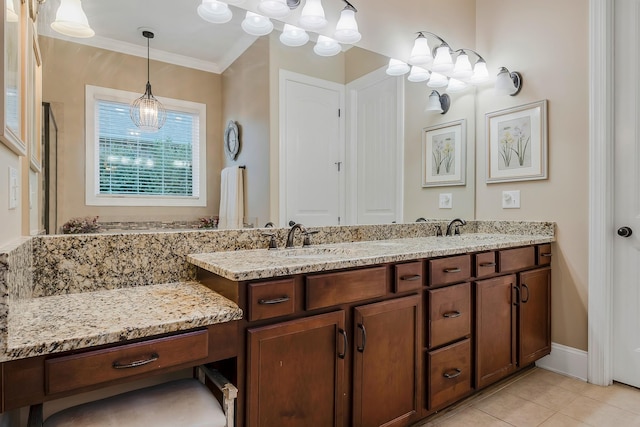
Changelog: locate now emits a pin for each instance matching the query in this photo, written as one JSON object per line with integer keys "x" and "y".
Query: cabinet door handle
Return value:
{"x": 411, "y": 278}
{"x": 452, "y": 314}
{"x": 452, "y": 374}
{"x": 453, "y": 270}
{"x": 364, "y": 337}
{"x": 487, "y": 264}
{"x": 517, "y": 299}
{"x": 346, "y": 343}
{"x": 525, "y": 287}
{"x": 547, "y": 255}
{"x": 135, "y": 364}
{"x": 274, "y": 300}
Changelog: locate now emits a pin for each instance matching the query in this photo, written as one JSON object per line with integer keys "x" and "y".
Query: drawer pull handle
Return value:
{"x": 153, "y": 358}
{"x": 547, "y": 255}
{"x": 453, "y": 270}
{"x": 364, "y": 338}
{"x": 274, "y": 300}
{"x": 452, "y": 314}
{"x": 346, "y": 343}
{"x": 451, "y": 375}
{"x": 487, "y": 264}
{"x": 411, "y": 278}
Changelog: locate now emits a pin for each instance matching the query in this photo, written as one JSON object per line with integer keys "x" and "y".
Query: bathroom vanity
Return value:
{"x": 382, "y": 332}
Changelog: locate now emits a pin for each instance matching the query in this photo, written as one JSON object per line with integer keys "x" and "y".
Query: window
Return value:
{"x": 129, "y": 167}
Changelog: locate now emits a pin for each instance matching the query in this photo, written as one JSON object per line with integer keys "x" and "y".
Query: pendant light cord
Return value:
{"x": 148, "y": 75}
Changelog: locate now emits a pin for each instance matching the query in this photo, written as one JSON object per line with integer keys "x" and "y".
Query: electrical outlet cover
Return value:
{"x": 511, "y": 199}
{"x": 446, "y": 201}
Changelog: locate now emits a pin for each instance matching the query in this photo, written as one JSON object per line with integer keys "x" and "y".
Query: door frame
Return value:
{"x": 284, "y": 76}
{"x": 601, "y": 190}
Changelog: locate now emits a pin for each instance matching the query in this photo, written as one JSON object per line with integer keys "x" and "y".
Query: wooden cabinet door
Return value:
{"x": 296, "y": 372}
{"x": 386, "y": 362}
{"x": 495, "y": 329}
{"x": 535, "y": 316}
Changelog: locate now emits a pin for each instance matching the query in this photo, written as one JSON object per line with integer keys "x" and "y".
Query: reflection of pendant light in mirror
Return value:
{"x": 326, "y": 46}
{"x": 11, "y": 15}
{"x": 256, "y": 25}
{"x": 437, "y": 80}
{"x": 480, "y": 73}
{"x": 397, "y": 67}
{"x": 147, "y": 112}
{"x": 438, "y": 103}
{"x": 508, "y": 83}
{"x": 347, "y": 27}
{"x": 312, "y": 16}
{"x": 456, "y": 85}
{"x": 71, "y": 20}
{"x": 214, "y": 11}
{"x": 443, "y": 63}
{"x": 293, "y": 36}
{"x": 418, "y": 74}
{"x": 277, "y": 9}
{"x": 462, "y": 69}
{"x": 421, "y": 52}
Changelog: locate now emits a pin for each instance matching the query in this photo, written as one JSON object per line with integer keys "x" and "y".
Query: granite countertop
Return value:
{"x": 262, "y": 263}
{"x": 53, "y": 324}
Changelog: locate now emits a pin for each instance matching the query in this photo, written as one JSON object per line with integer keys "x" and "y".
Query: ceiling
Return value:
{"x": 182, "y": 37}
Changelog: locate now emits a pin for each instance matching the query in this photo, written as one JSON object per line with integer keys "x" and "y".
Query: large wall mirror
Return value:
{"x": 247, "y": 81}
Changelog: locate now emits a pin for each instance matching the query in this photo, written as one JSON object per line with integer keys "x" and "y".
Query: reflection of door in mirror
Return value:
{"x": 312, "y": 149}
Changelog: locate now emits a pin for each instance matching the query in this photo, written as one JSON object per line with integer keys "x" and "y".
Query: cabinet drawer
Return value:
{"x": 443, "y": 271}
{"x": 485, "y": 264}
{"x": 544, "y": 254}
{"x": 449, "y": 374}
{"x": 516, "y": 259}
{"x": 408, "y": 277}
{"x": 449, "y": 314}
{"x": 94, "y": 367}
{"x": 325, "y": 290}
{"x": 271, "y": 299}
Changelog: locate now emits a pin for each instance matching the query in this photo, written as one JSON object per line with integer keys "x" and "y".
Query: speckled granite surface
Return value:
{"x": 259, "y": 264}
{"x": 65, "y": 322}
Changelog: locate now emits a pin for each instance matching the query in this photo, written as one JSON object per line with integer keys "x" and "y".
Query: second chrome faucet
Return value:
{"x": 455, "y": 223}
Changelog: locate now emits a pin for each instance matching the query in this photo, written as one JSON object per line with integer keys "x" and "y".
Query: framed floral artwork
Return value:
{"x": 443, "y": 154}
{"x": 517, "y": 143}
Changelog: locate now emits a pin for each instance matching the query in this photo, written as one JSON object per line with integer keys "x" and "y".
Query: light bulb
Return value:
{"x": 71, "y": 20}
{"x": 256, "y": 25}
{"x": 326, "y": 46}
{"x": 214, "y": 11}
{"x": 347, "y": 27}
{"x": 293, "y": 36}
{"x": 312, "y": 16}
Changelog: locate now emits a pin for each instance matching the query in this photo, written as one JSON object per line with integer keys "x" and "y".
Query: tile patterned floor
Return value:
{"x": 542, "y": 398}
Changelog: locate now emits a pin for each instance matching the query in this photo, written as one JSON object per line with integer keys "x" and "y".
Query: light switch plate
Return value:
{"x": 446, "y": 201}
{"x": 511, "y": 199}
{"x": 13, "y": 188}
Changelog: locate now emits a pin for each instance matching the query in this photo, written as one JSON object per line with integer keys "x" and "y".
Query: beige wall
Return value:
{"x": 245, "y": 99}
{"x": 68, "y": 67}
{"x": 550, "y": 48}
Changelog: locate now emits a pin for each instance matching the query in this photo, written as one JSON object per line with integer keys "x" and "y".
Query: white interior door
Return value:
{"x": 375, "y": 153}
{"x": 626, "y": 288}
{"x": 312, "y": 151}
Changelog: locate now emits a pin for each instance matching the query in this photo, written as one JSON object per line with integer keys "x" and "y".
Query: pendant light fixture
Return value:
{"x": 71, "y": 20}
{"x": 312, "y": 16}
{"x": 293, "y": 36}
{"x": 276, "y": 9}
{"x": 256, "y": 25}
{"x": 326, "y": 46}
{"x": 215, "y": 11}
{"x": 147, "y": 112}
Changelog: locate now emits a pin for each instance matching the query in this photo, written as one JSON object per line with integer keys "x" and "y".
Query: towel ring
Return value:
{"x": 232, "y": 140}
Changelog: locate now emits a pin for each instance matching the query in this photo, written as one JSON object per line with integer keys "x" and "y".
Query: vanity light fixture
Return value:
{"x": 71, "y": 20}
{"x": 256, "y": 25}
{"x": 439, "y": 103}
{"x": 442, "y": 63}
{"x": 456, "y": 85}
{"x": 147, "y": 112}
{"x": 347, "y": 27}
{"x": 326, "y": 46}
{"x": 508, "y": 82}
{"x": 397, "y": 67}
{"x": 293, "y": 36}
{"x": 214, "y": 11}
{"x": 421, "y": 53}
{"x": 418, "y": 74}
{"x": 312, "y": 16}
{"x": 11, "y": 15}
{"x": 276, "y": 9}
{"x": 437, "y": 80}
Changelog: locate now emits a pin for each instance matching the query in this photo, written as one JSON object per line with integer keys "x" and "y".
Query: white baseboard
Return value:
{"x": 566, "y": 361}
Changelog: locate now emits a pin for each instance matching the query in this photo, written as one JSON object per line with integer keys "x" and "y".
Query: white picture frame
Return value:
{"x": 443, "y": 154}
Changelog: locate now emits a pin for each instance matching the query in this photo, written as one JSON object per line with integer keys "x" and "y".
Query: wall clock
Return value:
{"x": 232, "y": 140}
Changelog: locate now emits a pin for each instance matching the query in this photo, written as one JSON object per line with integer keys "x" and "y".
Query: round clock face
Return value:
{"x": 232, "y": 140}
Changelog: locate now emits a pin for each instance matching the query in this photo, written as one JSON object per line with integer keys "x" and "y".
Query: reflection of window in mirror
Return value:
{"x": 130, "y": 167}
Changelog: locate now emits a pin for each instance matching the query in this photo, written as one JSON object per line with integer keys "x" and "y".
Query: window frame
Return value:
{"x": 92, "y": 172}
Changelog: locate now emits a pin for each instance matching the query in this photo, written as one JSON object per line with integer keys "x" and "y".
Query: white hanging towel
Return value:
{"x": 231, "y": 198}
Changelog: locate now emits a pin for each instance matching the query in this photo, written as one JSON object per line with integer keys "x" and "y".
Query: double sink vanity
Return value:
{"x": 384, "y": 329}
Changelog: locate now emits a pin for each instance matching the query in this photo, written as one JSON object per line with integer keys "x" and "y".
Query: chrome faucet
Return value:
{"x": 452, "y": 223}
{"x": 292, "y": 233}
{"x": 421, "y": 219}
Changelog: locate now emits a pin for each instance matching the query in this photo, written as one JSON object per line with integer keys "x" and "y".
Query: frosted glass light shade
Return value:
{"x": 433, "y": 104}
{"x": 293, "y": 36}
{"x": 277, "y": 9}
{"x": 312, "y": 16}
{"x": 326, "y": 46}
{"x": 71, "y": 20}
{"x": 397, "y": 67}
{"x": 235, "y": 2}
{"x": 418, "y": 74}
{"x": 421, "y": 52}
{"x": 504, "y": 83}
{"x": 456, "y": 85}
{"x": 256, "y": 25}
{"x": 347, "y": 27}
{"x": 442, "y": 63}
{"x": 11, "y": 15}
{"x": 462, "y": 69}
{"x": 214, "y": 11}
{"x": 480, "y": 73}
{"x": 437, "y": 80}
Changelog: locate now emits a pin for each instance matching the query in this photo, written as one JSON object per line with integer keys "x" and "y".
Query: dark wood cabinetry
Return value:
{"x": 534, "y": 321}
